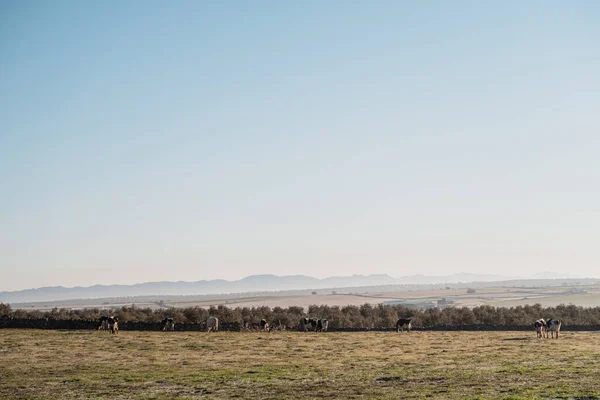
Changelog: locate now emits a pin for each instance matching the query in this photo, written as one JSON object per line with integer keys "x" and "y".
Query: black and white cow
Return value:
{"x": 168, "y": 324}
{"x": 322, "y": 325}
{"x": 553, "y": 326}
{"x": 540, "y": 327}
{"x": 113, "y": 324}
{"x": 308, "y": 323}
{"x": 403, "y": 323}
{"x": 264, "y": 325}
{"x": 103, "y": 323}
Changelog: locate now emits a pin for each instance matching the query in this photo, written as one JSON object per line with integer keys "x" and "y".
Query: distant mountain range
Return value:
{"x": 253, "y": 283}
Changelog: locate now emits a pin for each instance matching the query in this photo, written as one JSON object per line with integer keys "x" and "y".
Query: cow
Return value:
{"x": 212, "y": 324}
{"x": 540, "y": 327}
{"x": 113, "y": 324}
{"x": 322, "y": 325}
{"x": 264, "y": 325}
{"x": 552, "y": 326}
{"x": 103, "y": 323}
{"x": 168, "y": 324}
{"x": 403, "y": 323}
{"x": 306, "y": 322}
{"x": 303, "y": 326}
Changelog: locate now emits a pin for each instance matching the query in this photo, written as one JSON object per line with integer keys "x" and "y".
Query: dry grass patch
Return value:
{"x": 89, "y": 364}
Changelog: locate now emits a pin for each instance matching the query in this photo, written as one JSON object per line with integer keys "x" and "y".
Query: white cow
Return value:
{"x": 212, "y": 324}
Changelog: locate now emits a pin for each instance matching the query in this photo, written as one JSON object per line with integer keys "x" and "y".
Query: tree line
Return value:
{"x": 366, "y": 316}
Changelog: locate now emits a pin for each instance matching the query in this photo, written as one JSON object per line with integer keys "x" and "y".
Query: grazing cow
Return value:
{"x": 322, "y": 325}
{"x": 553, "y": 325}
{"x": 303, "y": 326}
{"x": 168, "y": 324}
{"x": 212, "y": 324}
{"x": 103, "y": 323}
{"x": 306, "y": 323}
{"x": 540, "y": 327}
{"x": 403, "y": 323}
{"x": 264, "y": 325}
{"x": 113, "y": 324}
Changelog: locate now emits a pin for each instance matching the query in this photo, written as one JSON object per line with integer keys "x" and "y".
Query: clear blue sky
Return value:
{"x": 145, "y": 141}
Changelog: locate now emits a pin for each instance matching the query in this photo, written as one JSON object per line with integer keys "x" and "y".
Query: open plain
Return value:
{"x": 497, "y": 296}
{"x": 37, "y": 364}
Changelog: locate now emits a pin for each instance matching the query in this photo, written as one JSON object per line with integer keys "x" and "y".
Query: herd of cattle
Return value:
{"x": 542, "y": 327}
{"x": 111, "y": 324}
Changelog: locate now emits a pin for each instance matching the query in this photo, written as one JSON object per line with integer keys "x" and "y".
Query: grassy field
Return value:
{"x": 279, "y": 365}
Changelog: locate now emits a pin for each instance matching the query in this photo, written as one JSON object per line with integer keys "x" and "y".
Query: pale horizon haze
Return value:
{"x": 146, "y": 141}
